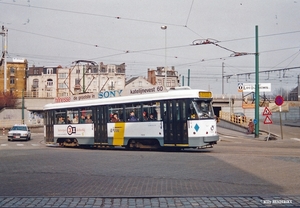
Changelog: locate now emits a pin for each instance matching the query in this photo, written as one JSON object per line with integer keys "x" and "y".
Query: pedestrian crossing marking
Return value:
{"x": 19, "y": 145}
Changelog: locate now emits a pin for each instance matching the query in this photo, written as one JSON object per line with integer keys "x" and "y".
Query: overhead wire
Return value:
{"x": 146, "y": 21}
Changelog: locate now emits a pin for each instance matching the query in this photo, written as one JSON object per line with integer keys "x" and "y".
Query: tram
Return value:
{"x": 174, "y": 119}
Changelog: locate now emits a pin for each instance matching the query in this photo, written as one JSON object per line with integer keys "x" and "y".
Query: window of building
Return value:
{"x": 168, "y": 83}
{"x": 49, "y": 94}
{"x": 62, "y": 75}
{"x": 12, "y": 80}
{"x": 95, "y": 70}
{"x": 88, "y": 71}
{"x": 77, "y": 81}
{"x": 49, "y": 70}
{"x": 35, "y": 83}
{"x": 173, "y": 83}
{"x": 62, "y": 86}
{"x": 119, "y": 81}
{"x": 49, "y": 82}
{"x": 12, "y": 70}
{"x": 35, "y": 71}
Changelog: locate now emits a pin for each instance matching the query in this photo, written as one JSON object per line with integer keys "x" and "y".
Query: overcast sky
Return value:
{"x": 58, "y": 32}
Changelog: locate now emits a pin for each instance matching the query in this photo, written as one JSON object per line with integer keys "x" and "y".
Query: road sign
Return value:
{"x": 267, "y": 112}
{"x": 254, "y": 121}
{"x": 250, "y": 87}
{"x": 268, "y": 120}
{"x": 279, "y": 100}
{"x": 240, "y": 87}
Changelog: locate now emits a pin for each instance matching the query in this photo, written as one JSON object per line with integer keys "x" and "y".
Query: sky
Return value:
{"x": 51, "y": 33}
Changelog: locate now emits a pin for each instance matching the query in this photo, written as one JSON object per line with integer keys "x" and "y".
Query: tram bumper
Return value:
{"x": 203, "y": 142}
{"x": 211, "y": 139}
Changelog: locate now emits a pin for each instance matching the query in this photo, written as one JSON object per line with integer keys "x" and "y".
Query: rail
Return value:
{"x": 240, "y": 120}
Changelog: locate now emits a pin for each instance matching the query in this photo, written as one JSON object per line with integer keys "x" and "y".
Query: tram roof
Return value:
{"x": 171, "y": 94}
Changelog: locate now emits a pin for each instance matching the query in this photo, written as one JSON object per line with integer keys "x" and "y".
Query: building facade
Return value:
{"x": 77, "y": 79}
{"x": 158, "y": 77}
{"x": 41, "y": 81}
{"x": 15, "y": 77}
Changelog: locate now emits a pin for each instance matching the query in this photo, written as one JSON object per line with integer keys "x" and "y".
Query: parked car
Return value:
{"x": 238, "y": 118}
{"x": 18, "y": 132}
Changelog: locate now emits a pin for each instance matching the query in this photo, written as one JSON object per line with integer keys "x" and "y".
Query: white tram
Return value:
{"x": 174, "y": 119}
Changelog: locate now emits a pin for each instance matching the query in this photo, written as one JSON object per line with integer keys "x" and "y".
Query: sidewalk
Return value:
{"x": 289, "y": 130}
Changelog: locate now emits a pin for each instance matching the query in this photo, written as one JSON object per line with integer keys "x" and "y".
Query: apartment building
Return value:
{"x": 160, "y": 74}
{"x": 15, "y": 77}
{"x": 83, "y": 77}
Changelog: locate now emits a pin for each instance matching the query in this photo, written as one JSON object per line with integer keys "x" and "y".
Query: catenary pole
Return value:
{"x": 256, "y": 84}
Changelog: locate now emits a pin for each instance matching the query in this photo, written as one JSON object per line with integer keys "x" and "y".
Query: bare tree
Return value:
{"x": 7, "y": 99}
{"x": 282, "y": 92}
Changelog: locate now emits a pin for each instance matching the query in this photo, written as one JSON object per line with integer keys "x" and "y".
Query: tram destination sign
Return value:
{"x": 250, "y": 87}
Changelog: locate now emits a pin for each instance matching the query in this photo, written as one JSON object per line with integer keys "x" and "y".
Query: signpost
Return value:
{"x": 279, "y": 101}
{"x": 267, "y": 120}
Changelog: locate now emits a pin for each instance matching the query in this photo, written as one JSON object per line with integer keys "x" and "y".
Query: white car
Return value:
{"x": 18, "y": 132}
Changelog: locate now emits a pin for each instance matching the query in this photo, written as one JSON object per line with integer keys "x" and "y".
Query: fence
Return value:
{"x": 241, "y": 120}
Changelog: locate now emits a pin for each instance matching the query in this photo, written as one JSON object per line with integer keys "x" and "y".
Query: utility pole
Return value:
{"x": 188, "y": 77}
{"x": 165, "y": 29}
{"x": 222, "y": 78}
{"x": 4, "y": 43}
{"x": 298, "y": 87}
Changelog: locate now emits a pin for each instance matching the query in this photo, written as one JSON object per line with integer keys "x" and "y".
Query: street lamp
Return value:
{"x": 165, "y": 29}
{"x": 4, "y": 40}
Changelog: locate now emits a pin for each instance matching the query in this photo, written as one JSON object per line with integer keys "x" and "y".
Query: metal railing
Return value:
{"x": 240, "y": 120}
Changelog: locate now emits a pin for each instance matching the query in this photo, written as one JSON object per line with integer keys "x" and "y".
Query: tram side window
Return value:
{"x": 60, "y": 117}
{"x": 133, "y": 112}
{"x": 116, "y": 113}
{"x": 85, "y": 116}
{"x": 192, "y": 112}
{"x": 72, "y": 116}
{"x": 150, "y": 111}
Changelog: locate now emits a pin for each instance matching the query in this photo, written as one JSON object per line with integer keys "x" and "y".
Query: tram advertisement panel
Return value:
{"x": 72, "y": 130}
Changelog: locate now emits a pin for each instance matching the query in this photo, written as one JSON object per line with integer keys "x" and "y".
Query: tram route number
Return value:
{"x": 115, "y": 129}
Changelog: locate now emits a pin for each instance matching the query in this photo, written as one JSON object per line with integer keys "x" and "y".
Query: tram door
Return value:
{"x": 49, "y": 115}
{"x": 174, "y": 122}
{"x": 102, "y": 118}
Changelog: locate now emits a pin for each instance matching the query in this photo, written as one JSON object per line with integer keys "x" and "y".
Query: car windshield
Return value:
{"x": 203, "y": 109}
{"x": 239, "y": 114}
{"x": 19, "y": 128}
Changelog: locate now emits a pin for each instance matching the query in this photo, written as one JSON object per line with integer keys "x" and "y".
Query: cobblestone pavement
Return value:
{"x": 254, "y": 201}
